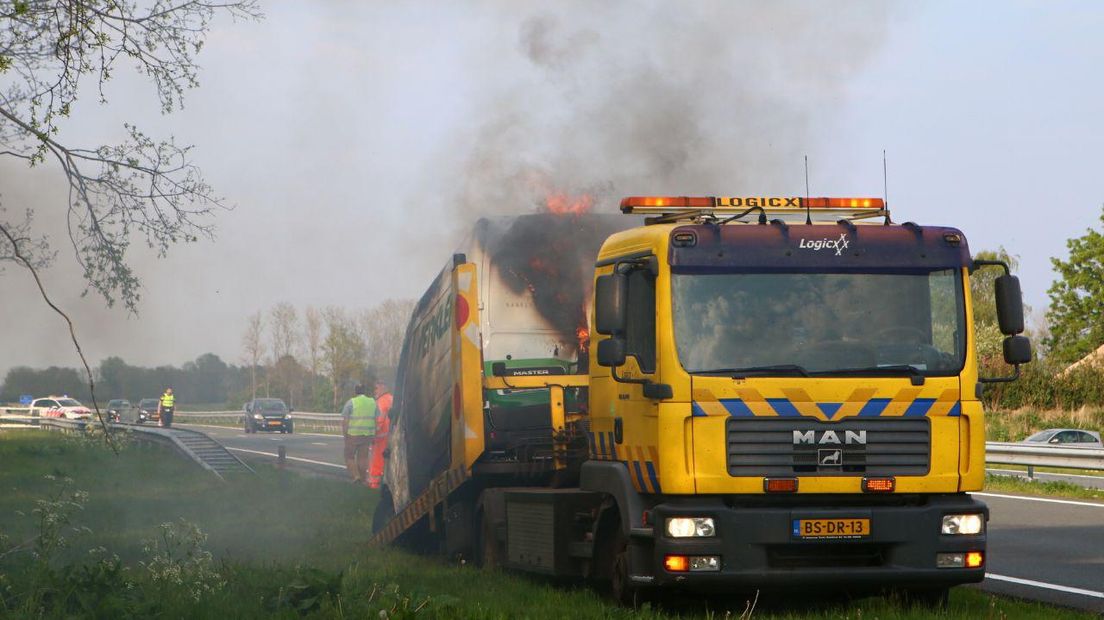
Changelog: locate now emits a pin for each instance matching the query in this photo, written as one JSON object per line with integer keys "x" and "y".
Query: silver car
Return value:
{"x": 1067, "y": 438}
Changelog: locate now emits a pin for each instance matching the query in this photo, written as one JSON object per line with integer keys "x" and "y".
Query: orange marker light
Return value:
{"x": 843, "y": 203}
{"x": 666, "y": 201}
{"x": 974, "y": 559}
{"x": 780, "y": 485}
{"x": 879, "y": 485}
{"x": 676, "y": 563}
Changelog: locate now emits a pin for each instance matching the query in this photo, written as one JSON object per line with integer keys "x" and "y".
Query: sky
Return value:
{"x": 357, "y": 142}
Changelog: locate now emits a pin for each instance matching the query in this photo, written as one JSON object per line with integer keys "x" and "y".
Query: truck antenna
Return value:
{"x": 808, "y": 216}
{"x": 885, "y": 187}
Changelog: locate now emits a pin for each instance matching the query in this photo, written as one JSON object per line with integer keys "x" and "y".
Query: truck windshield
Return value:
{"x": 798, "y": 324}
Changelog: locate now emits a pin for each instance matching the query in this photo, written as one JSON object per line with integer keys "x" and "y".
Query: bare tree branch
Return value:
{"x": 17, "y": 252}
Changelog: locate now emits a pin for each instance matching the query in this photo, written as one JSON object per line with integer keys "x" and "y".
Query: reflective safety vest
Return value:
{"x": 362, "y": 422}
{"x": 167, "y": 400}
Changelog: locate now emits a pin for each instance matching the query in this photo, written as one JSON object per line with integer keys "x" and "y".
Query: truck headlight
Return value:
{"x": 690, "y": 527}
{"x": 257, "y": 416}
{"x": 963, "y": 524}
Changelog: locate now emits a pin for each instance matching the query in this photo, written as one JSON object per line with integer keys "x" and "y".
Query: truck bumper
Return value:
{"x": 758, "y": 547}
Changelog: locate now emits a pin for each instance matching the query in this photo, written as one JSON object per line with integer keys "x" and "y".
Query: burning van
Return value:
{"x": 533, "y": 284}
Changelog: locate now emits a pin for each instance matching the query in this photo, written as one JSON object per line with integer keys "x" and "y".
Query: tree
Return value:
{"x": 982, "y": 292}
{"x": 343, "y": 352}
{"x": 1076, "y": 316}
{"x": 285, "y": 343}
{"x": 49, "y": 50}
{"x": 313, "y": 332}
{"x": 384, "y": 327}
{"x": 253, "y": 346}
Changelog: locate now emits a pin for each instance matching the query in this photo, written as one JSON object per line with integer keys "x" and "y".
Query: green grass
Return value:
{"x": 1010, "y": 484}
{"x": 284, "y": 546}
{"x": 1018, "y": 424}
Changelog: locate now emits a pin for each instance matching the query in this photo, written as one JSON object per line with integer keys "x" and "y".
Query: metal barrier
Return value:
{"x": 1005, "y": 453}
{"x": 295, "y": 415}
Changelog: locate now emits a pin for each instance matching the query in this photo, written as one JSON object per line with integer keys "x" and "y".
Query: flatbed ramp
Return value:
{"x": 435, "y": 494}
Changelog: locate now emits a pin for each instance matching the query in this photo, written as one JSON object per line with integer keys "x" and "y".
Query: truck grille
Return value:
{"x": 800, "y": 446}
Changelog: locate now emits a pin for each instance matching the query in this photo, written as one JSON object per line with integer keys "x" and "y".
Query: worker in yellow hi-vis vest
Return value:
{"x": 358, "y": 424}
{"x": 165, "y": 406}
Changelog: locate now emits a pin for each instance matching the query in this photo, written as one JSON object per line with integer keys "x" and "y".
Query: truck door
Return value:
{"x": 633, "y": 416}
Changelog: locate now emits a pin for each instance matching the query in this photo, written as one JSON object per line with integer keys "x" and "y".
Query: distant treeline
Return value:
{"x": 206, "y": 380}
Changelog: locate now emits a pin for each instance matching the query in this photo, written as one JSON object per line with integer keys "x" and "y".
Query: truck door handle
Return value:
{"x": 618, "y": 431}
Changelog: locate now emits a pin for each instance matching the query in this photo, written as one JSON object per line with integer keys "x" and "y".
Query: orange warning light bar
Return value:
{"x": 704, "y": 202}
{"x": 656, "y": 203}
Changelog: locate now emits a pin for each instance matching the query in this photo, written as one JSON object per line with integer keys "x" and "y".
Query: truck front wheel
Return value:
{"x": 621, "y": 588}
{"x": 489, "y": 557}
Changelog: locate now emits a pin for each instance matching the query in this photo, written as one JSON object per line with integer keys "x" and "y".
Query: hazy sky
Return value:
{"x": 357, "y": 140}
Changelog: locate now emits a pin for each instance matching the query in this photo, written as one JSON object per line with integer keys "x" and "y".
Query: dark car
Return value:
{"x": 267, "y": 414}
{"x": 147, "y": 411}
{"x": 117, "y": 408}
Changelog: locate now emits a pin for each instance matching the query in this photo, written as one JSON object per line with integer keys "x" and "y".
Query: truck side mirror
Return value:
{"x": 1017, "y": 350}
{"x": 1010, "y": 314}
{"x": 611, "y": 352}
{"x": 611, "y": 294}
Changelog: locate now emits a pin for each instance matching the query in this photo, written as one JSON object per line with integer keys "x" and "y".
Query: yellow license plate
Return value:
{"x": 274, "y": 423}
{"x": 831, "y": 528}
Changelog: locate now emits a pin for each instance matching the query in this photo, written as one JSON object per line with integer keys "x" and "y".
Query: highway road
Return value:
{"x": 314, "y": 451}
{"x": 1043, "y": 549}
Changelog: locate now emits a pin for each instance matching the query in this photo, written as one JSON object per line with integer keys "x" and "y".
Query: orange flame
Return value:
{"x": 583, "y": 334}
{"x": 561, "y": 203}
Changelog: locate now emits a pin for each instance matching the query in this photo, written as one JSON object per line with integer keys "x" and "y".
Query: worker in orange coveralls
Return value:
{"x": 383, "y": 428}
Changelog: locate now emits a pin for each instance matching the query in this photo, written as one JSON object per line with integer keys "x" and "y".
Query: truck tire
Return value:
{"x": 490, "y": 557}
{"x": 621, "y": 588}
{"x": 385, "y": 511}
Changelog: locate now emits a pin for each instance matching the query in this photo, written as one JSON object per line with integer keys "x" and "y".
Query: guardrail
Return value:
{"x": 304, "y": 420}
{"x": 295, "y": 415}
{"x": 1005, "y": 453}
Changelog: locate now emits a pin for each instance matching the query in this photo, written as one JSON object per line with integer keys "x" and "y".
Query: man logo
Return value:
{"x": 829, "y": 437}
{"x": 831, "y": 457}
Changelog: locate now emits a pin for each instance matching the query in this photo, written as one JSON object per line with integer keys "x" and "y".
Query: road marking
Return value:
{"x": 319, "y": 443}
{"x": 1048, "y": 586}
{"x": 1041, "y": 499}
{"x": 290, "y": 458}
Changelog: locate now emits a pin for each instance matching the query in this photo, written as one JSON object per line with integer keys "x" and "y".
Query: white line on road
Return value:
{"x": 319, "y": 443}
{"x": 1048, "y": 586}
{"x": 1041, "y": 499}
{"x": 290, "y": 458}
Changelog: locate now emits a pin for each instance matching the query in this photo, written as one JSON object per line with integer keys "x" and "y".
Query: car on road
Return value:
{"x": 147, "y": 411}
{"x": 267, "y": 414}
{"x": 60, "y": 407}
{"x": 1067, "y": 438}
{"x": 117, "y": 408}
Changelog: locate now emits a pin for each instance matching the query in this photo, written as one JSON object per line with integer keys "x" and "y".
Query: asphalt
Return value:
{"x": 314, "y": 451}
{"x": 1055, "y": 542}
{"x": 1040, "y": 549}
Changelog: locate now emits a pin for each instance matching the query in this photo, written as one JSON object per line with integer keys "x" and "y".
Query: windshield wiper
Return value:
{"x": 914, "y": 373}
{"x": 740, "y": 373}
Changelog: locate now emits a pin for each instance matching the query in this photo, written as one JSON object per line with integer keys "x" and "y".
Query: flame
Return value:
{"x": 562, "y": 203}
{"x": 583, "y": 334}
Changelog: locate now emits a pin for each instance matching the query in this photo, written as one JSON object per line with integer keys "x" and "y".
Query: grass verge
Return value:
{"x": 1011, "y": 484}
{"x": 144, "y": 534}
